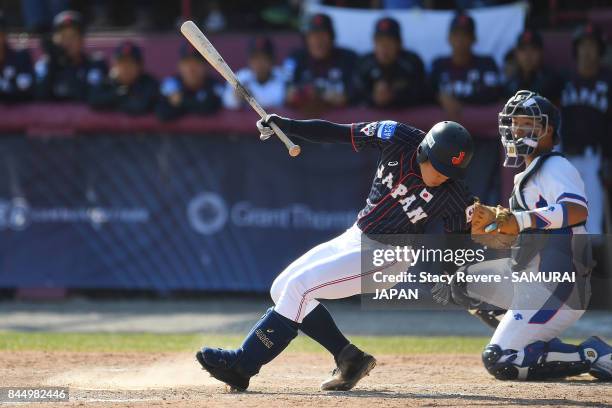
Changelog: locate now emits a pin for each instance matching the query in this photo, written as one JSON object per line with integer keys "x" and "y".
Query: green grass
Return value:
{"x": 147, "y": 342}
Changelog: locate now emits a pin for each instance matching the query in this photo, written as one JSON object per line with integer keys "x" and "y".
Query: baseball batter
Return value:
{"x": 416, "y": 183}
{"x": 548, "y": 212}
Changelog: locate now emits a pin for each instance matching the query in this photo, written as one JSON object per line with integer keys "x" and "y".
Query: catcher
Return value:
{"x": 545, "y": 227}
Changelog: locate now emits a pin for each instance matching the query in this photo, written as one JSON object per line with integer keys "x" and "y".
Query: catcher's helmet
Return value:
{"x": 521, "y": 141}
{"x": 449, "y": 148}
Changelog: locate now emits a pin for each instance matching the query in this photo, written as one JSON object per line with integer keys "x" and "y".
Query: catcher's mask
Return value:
{"x": 521, "y": 140}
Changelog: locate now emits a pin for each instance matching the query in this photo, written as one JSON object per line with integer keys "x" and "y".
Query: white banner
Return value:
{"x": 426, "y": 31}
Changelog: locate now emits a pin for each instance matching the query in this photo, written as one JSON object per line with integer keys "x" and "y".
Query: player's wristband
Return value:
{"x": 551, "y": 217}
{"x": 523, "y": 219}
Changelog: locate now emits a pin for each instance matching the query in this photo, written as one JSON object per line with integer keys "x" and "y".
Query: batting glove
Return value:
{"x": 263, "y": 125}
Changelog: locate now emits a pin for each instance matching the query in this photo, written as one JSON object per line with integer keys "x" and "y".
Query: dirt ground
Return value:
{"x": 175, "y": 380}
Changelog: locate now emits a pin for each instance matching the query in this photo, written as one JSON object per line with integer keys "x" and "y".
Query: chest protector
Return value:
{"x": 515, "y": 205}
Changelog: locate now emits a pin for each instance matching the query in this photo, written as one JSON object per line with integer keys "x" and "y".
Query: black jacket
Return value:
{"x": 476, "y": 83}
{"x": 205, "y": 100}
{"x": 406, "y": 77}
{"x": 337, "y": 73}
{"x": 59, "y": 79}
{"x": 137, "y": 99}
{"x": 16, "y": 75}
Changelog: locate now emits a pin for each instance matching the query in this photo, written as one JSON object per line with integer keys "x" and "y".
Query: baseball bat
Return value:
{"x": 199, "y": 41}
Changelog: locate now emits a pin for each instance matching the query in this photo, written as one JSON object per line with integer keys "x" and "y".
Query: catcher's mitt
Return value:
{"x": 485, "y": 215}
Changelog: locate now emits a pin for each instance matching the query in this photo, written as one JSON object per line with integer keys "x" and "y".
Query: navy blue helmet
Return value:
{"x": 449, "y": 148}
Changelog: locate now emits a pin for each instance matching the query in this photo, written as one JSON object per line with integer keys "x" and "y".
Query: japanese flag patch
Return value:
{"x": 426, "y": 195}
{"x": 369, "y": 129}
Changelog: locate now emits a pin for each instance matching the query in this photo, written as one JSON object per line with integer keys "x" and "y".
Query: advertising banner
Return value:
{"x": 168, "y": 213}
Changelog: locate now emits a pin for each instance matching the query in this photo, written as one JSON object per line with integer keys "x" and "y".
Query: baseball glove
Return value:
{"x": 483, "y": 217}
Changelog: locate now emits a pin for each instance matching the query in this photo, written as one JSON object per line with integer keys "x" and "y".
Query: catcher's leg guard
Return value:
{"x": 537, "y": 361}
{"x": 268, "y": 338}
{"x": 352, "y": 365}
{"x": 600, "y": 354}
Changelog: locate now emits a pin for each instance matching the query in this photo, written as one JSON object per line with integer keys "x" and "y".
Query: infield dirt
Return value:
{"x": 175, "y": 380}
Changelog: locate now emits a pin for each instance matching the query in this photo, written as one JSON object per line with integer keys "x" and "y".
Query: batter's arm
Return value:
{"x": 313, "y": 130}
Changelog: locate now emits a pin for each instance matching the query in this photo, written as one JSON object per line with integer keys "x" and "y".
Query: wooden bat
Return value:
{"x": 199, "y": 41}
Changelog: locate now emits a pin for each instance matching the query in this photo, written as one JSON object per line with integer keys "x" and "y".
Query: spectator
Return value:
{"x": 16, "y": 75}
{"x": 321, "y": 75}
{"x": 128, "y": 88}
{"x": 531, "y": 73}
{"x": 261, "y": 78}
{"x": 65, "y": 72}
{"x": 587, "y": 119}
{"x": 510, "y": 66}
{"x": 191, "y": 91}
{"x": 391, "y": 77}
{"x": 464, "y": 78}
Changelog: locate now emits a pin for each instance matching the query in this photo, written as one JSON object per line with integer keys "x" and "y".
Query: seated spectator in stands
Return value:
{"x": 391, "y": 77}
{"x": 65, "y": 72}
{"x": 127, "y": 88}
{"x": 531, "y": 72}
{"x": 587, "y": 118}
{"x": 16, "y": 75}
{"x": 261, "y": 78}
{"x": 191, "y": 91}
{"x": 509, "y": 67}
{"x": 320, "y": 76}
{"x": 464, "y": 78}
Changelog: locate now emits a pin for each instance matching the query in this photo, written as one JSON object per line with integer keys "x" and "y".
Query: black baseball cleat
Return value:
{"x": 352, "y": 365}
{"x": 223, "y": 365}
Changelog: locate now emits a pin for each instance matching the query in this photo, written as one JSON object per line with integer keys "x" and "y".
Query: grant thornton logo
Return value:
{"x": 17, "y": 214}
{"x": 207, "y": 213}
{"x": 14, "y": 214}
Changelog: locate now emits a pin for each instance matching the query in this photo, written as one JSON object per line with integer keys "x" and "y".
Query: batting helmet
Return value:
{"x": 449, "y": 148}
{"x": 520, "y": 141}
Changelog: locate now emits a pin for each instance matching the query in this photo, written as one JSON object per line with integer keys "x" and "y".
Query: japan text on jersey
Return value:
{"x": 399, "y": 202}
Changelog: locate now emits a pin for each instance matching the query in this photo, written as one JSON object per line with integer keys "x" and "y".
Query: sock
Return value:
{"x": 266, "y": 340}
{"x": 320, "y": 326}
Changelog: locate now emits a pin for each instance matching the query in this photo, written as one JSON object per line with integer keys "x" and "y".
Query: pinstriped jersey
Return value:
{"x": 399, "y": 202}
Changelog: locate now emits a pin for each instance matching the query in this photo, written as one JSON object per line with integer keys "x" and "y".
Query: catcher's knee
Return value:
{"x": 495, "y": 363}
